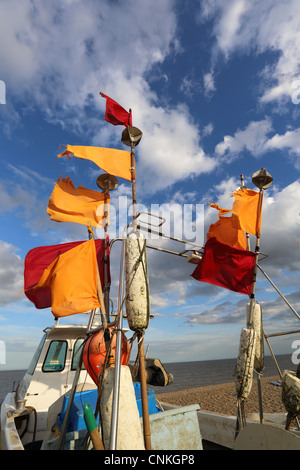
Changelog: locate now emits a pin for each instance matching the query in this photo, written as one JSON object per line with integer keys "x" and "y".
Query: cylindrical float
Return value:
{"x": 259, "y": 359}
{"x": 94, "y": 352}
{"x": 245, "y": 363}
{"x": 129, "y": 430}
{"x": 137, "y": 283}
{"x": 290, "y": 384}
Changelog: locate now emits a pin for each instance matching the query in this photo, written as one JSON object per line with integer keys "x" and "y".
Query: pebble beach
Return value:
{"x": 221, "y": 398}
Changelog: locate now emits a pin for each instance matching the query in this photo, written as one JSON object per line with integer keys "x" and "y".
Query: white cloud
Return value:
{"x": 230, "y": 24}
{"x": 256, "y": 139}
{"x": 208, "y": 129}
{"x": 256, "y": 26}
{"x": 171, "y": 150}
{"x": 209, "y": 83}
{"x": 11, "y": 274}
{"x": 189, "y": 86}
{"x": 58, "y": 57}
{"x": 290, "y": 140}
{"x": 253, "y": 138}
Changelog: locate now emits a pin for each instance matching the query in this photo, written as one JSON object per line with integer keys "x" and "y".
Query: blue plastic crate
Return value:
{"x": 151, "y": 399}
{"x": 76, "y": 420}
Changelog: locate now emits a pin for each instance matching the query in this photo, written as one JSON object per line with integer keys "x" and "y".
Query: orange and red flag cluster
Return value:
{"x": 226, "y": 262}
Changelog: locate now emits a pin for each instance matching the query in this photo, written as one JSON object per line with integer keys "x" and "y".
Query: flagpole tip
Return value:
{"x": 131, "y": 136}
{"x": 262, "y": 179}
{"x": 107, "y": 182}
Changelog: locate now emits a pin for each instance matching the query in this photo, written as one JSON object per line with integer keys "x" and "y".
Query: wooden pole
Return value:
{"x": 142, "y": 368}
{"x": 133, "y": 185}
{"x": 246, "y": 234}
{"x": 106, "y": 286}
{"x": 99, "y": 289}
{"x": 144, "y": 396}
{"x": 257, "y": 246}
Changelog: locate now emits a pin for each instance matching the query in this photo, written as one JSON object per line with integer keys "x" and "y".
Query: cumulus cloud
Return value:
{"x": 258, "y": 138}
{"x": 58, "y": 57}
{"x": 209, "y": 84}
{"x": 11, "y": 274}
{"x": 253, "y": 139}
{"x": 258, "y": 27}
{"x": 289, "y": 141}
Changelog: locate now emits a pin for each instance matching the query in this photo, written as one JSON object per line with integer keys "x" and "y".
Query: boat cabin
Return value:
{"x": 48, "y": 378}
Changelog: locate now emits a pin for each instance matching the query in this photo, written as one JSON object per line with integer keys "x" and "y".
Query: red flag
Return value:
{"x": 38, "y": 259}
{"x": 227, "y": 267}
{"x": 115, "y": 114}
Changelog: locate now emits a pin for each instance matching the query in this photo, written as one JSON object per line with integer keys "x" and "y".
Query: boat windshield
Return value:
{"x": 36, "y": 356}
{"x": 56, "y": 355}
{"x": 77, "y": 354}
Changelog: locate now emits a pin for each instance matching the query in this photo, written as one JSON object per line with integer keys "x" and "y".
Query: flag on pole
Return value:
{"x": 246, "y": 211}
{"x": 39, "y": 258}
{"x": 114, "y": 162}
{"x": 225, "y": 233}
{"x": 81, "y": 205}
{"x": 221, "y": 210}
{"x": 224, "y": 230}
{"x": 115, "y": 114}
{"x": 72, "y": 279}
{"x": 227, "y": 267}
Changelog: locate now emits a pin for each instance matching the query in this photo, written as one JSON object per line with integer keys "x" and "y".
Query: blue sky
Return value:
{"x": 214, "y": 86}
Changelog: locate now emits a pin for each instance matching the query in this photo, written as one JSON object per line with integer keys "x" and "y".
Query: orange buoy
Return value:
{"x": 94, "y": 353}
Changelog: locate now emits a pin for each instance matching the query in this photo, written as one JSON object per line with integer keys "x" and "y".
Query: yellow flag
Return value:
{"x": 72, "y": 277}
{"x": 115, "y": 162}
{"x": 81, "y": 205}
{"x": 246, "y": 211}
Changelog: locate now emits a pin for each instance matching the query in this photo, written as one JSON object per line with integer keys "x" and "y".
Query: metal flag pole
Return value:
{"x": 246, "y": 234}
{"x": 107, "y": 183}
{"x": 262, "y": 180}
{"x": 116, "y": 391}
{"x": 131, "y": 136}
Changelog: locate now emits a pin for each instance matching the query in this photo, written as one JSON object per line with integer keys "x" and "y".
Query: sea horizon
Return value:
{"x": 187, "y": 374}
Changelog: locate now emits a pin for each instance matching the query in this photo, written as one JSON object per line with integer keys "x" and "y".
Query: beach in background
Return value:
{"x": 209, "y": 383}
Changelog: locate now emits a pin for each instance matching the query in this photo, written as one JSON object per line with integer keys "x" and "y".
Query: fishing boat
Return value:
{"x": 56, "y": 402}
{"x": 81, "y": 390}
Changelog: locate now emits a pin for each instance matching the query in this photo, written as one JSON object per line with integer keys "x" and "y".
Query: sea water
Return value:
{"x": 186, "y": 374}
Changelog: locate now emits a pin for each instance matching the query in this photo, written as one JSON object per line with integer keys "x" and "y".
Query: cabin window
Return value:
{"x": 56, "y": 356}
{"x": 36, "y": 356}
{"x": 77, "y": 353}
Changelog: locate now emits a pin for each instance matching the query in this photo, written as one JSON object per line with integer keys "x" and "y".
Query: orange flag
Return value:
{"x": 81, "y": 205}
{"x": 115, "y": 162}
{"x": 72, "y": 278}
{"x": 225, "y": 233}
{"x": 246, "y": 211}
{"x": 220, "y": 209}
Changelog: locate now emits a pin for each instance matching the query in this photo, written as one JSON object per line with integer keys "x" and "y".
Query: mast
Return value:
{"x": 131, "y": 137}
{"x": 107, "y": 183}
{"x": 262, "y": 180}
